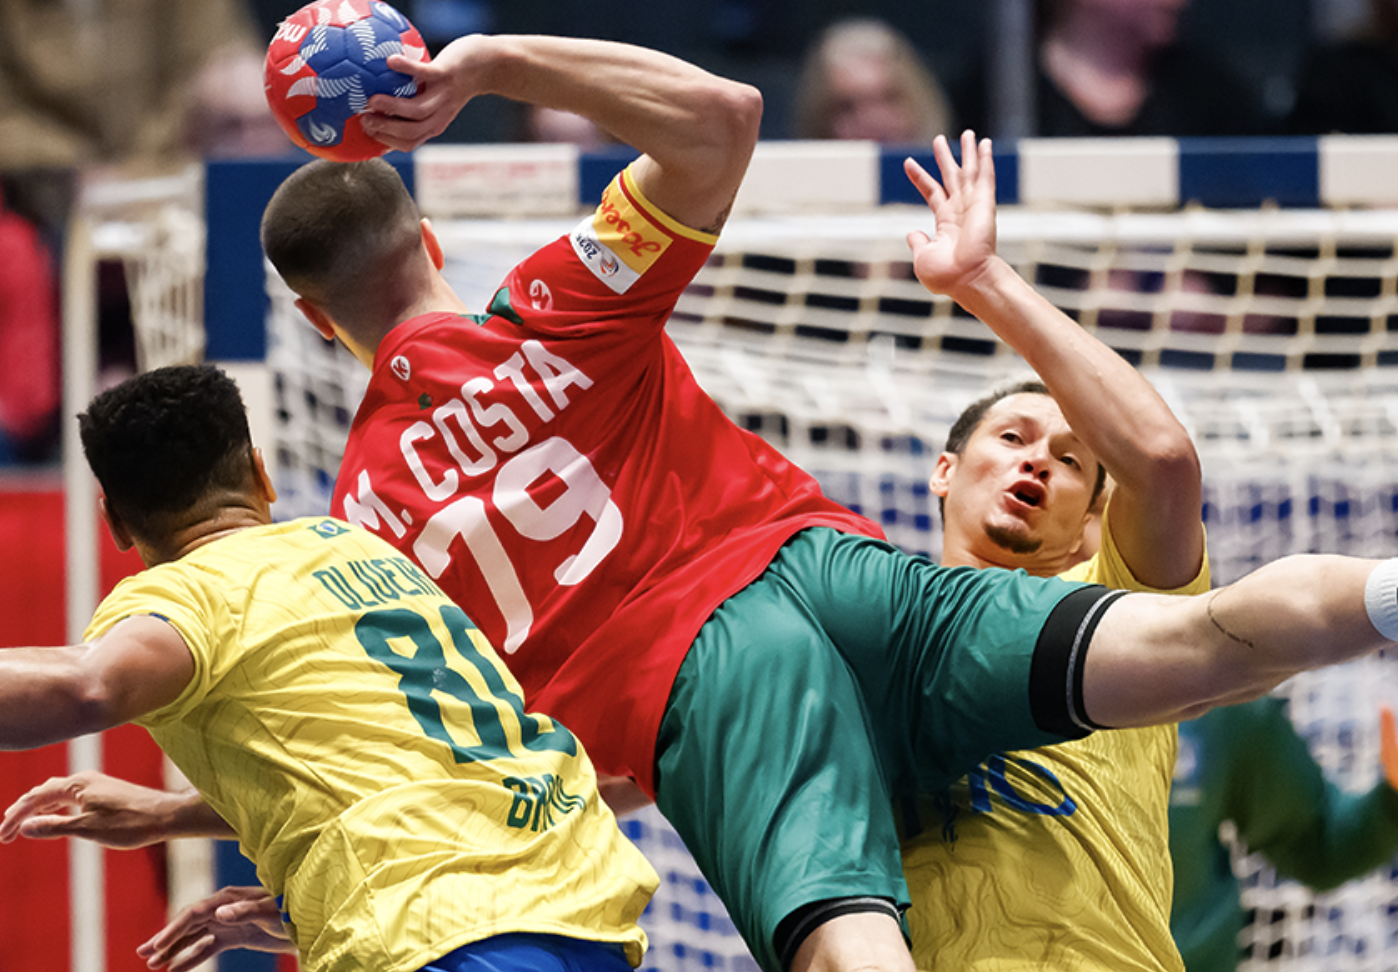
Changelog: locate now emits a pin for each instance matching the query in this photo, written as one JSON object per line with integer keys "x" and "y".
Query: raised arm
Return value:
{"x": 1156, "y": 504}
{"x": 696, "y": 131}
{"x": 49, "y": 695}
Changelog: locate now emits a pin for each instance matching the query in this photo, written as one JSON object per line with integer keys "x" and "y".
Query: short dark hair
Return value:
{"x": 333, "y": 228}
{"x": 973, "y": 415}
{"x": 166, "y": 442}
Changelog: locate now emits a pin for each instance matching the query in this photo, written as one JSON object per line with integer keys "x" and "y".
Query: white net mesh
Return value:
{"x": 155, "y": 227}
{"x": 1273, "y": 334}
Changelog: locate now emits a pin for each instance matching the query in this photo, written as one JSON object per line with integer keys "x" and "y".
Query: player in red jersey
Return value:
{"x": 755, "y": 657}
{"x": 750, "y": 653}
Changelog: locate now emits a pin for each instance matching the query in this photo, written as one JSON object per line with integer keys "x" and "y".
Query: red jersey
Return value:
{"x": 555, "y": 467}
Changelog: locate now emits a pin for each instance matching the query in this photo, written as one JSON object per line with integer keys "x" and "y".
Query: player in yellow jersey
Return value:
{"x": 343, "y": 717}
{"x": 1055, "y": 858}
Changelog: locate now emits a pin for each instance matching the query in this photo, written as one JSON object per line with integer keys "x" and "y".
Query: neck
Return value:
{"x": 438, "y": 299}
{"x": 956, "y": 552}
{"x": 186, "y": 539}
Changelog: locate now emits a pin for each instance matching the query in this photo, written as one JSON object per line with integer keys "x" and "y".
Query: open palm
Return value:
{"x": 963, "y": 205}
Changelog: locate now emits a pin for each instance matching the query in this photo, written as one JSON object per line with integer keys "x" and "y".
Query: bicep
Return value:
{"x": 140, "y": 664}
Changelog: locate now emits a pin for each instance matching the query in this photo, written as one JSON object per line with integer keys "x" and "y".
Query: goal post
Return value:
{"x": 1254, "y": 282}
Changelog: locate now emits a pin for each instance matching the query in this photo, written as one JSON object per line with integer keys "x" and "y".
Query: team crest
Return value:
{"x": 540, "y": 297}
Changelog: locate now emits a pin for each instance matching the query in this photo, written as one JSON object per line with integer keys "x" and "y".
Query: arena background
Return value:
{"x": 1255, "y": 282}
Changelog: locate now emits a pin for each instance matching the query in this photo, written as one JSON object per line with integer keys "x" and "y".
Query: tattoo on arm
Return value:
{"x": 1213, "y": 619}
{"x": 720, "y": 221}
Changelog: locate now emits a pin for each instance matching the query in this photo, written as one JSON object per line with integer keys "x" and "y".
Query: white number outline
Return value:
{"x": 585, "y": 495}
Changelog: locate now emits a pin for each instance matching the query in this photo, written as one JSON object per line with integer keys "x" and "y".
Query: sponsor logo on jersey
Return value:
{"x": 618, "y": 242}
{"x": 600, "y": 259}
{"x": 401, "y": 368}
{"x": 540, "y": 297}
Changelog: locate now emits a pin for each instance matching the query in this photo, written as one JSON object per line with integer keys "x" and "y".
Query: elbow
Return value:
{"x": 746, "y": 113}
{"x": 1169, "y": 466}
{"x": 732, "y": 118}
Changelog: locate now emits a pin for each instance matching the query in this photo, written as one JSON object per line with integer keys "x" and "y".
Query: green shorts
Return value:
{"x": 847, "y": 675}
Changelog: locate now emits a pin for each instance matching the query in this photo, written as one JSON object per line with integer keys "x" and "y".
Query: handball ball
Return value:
{"x": 324, "y": 63}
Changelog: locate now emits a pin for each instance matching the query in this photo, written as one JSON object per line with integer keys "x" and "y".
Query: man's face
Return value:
{"x": 1019, "y": 493}
{"x": 867, "y": 100}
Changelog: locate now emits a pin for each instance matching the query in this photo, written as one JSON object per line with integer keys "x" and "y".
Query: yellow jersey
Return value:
{"x": 1056, "y": 858}
{"x": 373, "y": 755}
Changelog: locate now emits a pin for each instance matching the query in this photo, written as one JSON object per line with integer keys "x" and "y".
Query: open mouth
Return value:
{"x": 1030, "y": 494}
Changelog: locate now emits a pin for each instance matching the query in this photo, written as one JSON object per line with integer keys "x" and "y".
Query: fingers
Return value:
{"x": 55, "y": 794}
{"x": 922, "y": 180}
{"x": 985, "y": 156}
{"x": 260, "y": 910}
{"x": 411, "y": 66}
{"x": 951, "y": 172}
{"x": 51, "y": 826}
{"x": 184, "y": 955}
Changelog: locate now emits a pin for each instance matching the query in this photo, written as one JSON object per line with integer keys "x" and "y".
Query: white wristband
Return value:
{"x": 1381, "y": 598}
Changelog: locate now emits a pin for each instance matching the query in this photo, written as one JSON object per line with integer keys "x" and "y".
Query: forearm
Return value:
{"x": 696, "y": 128}
{"x": 659, "y": 104}
{"x": 1349, "y": 837}
{"x": 183, "y": 813}
{"x": 48, "y": 696}
{"x": 1158, "y": 659}
{"x": 1117, "y": 414}
{"x": 1108, "y": 403}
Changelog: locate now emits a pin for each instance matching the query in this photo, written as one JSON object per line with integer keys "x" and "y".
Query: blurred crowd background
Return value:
{"x": 141, "y": 87}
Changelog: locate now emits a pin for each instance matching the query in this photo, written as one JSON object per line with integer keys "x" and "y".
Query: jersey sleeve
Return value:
{"x": 624, "y": 265}
{"x": 184, "y": 605}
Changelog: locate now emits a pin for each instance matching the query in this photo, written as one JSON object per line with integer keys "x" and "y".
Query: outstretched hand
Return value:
{"x": 444, "y": 85}
{"x": 90, "y": 805}
{"x": 233, "y": 917}
{"x": 963, "y": 205}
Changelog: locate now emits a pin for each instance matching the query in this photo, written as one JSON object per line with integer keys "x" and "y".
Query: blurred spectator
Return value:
{"x": 1352, "y": 86}
{"x": 83, "y": 82}
{"x": 136, "y": 87}
{"x": 1117, "y": 67}
{"x": 863, "y": 79}
{"x": 29, "y": 342}
{"x": 536, "y": 123}
{"x": 1246, "y": 764}
{"x": 226, "y": 114}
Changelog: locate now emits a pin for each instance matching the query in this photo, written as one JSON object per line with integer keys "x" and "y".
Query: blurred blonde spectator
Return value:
{"x": 225, "y": 110}
{"x": 863, "y": 79}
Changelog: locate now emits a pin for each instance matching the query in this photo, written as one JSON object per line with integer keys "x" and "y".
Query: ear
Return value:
{"x": 939, "y": 483}
{"x": 120, "y": 535}
{"x": 265, "y": 487}
{"x": 434, "y": 246}
{"x": 320, "y": 320}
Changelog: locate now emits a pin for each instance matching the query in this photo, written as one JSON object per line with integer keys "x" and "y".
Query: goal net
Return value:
{"x": 1271, "y": 331}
